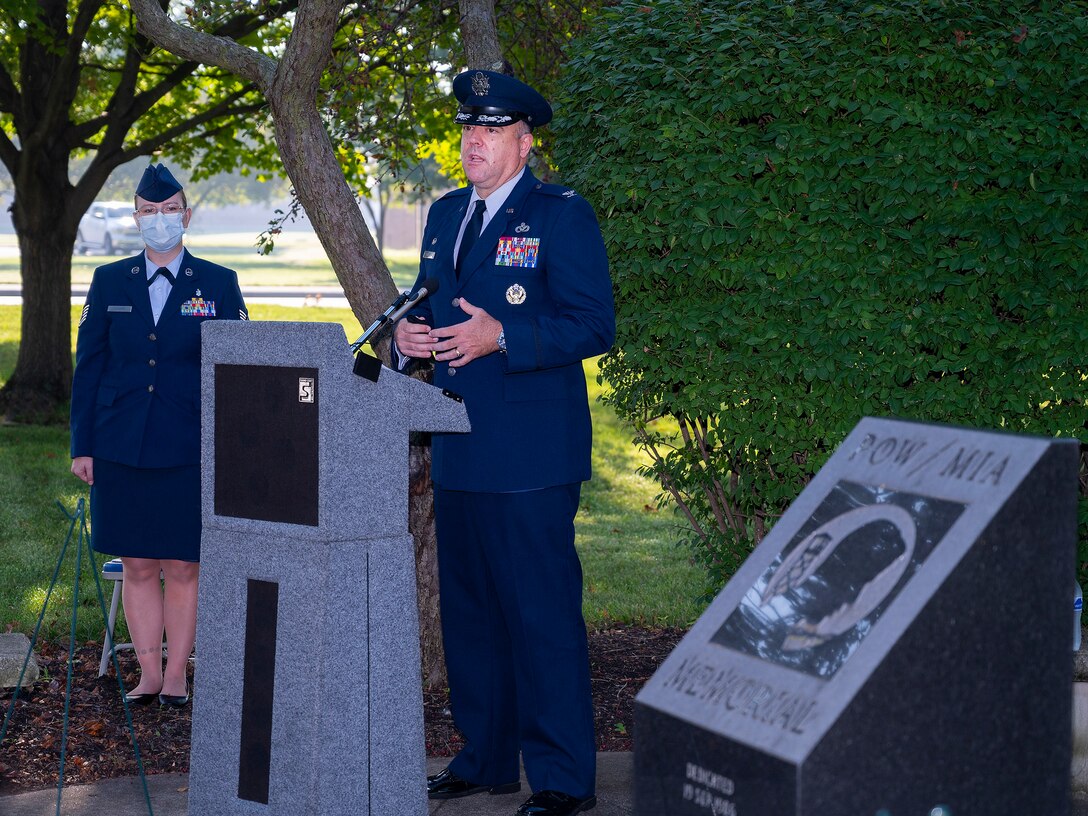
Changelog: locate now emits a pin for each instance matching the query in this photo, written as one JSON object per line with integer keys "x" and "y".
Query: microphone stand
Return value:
{"x": 403, "y": 302}
{"x": 370, "y": 367}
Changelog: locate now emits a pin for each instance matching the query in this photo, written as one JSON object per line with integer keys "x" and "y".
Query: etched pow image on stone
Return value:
{"x": 803, "y": 562}
{"x": 838, "y": 672}
{"x": 812, "y": 607}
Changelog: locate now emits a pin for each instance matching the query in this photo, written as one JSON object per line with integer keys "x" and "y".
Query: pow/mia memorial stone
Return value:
{"x": 308, "y": 697}
{"x": 899, "y": 641}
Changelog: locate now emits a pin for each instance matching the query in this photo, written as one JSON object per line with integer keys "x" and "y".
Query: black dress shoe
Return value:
{"x": 448, "y": 785}
{"x": 555, "y": 803}
{"x": 140, "y": 699}
{"x": 175, "y": 700}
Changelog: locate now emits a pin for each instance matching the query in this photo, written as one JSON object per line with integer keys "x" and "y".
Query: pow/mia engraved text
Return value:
{"x": 745, "y": 696}
{"x": 954, "y": 460}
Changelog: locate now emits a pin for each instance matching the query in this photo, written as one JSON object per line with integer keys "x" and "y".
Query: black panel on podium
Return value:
{"x": 266, "y": 420}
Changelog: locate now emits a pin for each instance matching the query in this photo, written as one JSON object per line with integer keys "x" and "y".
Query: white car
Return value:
{"x": 109, "y": 227}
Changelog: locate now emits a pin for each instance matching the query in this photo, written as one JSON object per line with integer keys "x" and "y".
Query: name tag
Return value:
{"x": 118, "y": 308}
{"x": 517, "y": 251}
{"x": 428, "y": 255}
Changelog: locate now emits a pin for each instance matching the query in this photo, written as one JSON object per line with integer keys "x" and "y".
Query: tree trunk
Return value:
{"x": 41, "y": 383}
{"x": 480, "y": 35}
{"x": 421, "y": 523}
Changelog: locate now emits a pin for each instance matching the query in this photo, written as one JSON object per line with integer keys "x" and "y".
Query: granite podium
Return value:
{"x": 900, "y": 641}
{"x": 308, "y": 697}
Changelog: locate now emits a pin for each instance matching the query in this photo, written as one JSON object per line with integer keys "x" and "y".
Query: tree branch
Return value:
{"x": 9, "y": 94}
{"x": 156, "y": 25}
{"x": 298, "y": 72}
{"x": 9, "y": 154}
{"x": 149, "y": 146}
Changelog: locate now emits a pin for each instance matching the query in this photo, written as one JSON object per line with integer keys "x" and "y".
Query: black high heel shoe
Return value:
{"x": 175, "y": 700}
{"x": 142, "y": 698}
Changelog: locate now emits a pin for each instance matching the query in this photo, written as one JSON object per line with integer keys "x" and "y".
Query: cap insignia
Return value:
{"x": 480, "y": 84}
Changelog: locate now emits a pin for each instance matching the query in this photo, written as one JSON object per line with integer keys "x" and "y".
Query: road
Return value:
{"x": 322, "y": 296}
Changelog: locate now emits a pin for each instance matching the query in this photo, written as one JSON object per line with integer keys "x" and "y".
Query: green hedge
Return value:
{"x": 820, "y": 211}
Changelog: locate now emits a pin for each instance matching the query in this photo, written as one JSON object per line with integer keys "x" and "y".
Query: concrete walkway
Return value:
{"x": 169, "y": 796}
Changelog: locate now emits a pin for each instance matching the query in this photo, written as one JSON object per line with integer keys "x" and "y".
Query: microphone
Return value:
{"x": 401, "y": 304}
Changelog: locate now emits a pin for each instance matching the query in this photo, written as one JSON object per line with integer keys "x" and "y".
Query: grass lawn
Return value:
{"x": 633, "y": 573}
{"x": 298, "y": 260}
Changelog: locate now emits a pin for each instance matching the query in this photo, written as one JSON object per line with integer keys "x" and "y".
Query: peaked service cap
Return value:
{"x": 157, "y": 184}
{"x": 497, "y": 100}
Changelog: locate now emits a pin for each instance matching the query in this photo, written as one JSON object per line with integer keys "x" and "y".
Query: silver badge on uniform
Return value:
{"x": 428, "y": 254}
{"x": 522, "y": 227}
{"x": 515, "y": 295}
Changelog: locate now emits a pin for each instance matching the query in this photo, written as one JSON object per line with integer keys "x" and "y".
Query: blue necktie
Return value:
{"x": 472, "y": 232}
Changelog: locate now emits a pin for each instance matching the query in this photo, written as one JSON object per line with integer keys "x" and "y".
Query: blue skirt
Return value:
{"x": 146, "y": 512}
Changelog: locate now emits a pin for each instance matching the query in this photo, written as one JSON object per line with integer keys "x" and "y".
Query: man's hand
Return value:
{"x": 413, "y": 339}
{"x": 83, "y": 467}
{"x": 461, "y": 344}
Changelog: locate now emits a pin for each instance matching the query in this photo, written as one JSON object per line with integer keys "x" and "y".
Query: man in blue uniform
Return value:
{"x": 521, "y": 306}
{"x": 135, "y": 425}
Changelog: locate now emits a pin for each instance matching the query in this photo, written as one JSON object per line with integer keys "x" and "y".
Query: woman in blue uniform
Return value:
{"x": 135, "y": 426}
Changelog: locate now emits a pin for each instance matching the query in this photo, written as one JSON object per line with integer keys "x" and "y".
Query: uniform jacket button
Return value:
{"x": 152, "y": 337}
{"x": 452, "y": 371}
{"x": 150, "y": 388}
{"x": 151, "y": 363}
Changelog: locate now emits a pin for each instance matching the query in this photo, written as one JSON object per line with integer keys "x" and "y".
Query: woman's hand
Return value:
{"x": 83, "y": 467}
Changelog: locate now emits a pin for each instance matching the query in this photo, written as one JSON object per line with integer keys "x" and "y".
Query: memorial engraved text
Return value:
{"x": 737, "y": 694}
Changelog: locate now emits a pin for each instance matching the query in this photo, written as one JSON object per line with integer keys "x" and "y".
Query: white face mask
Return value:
{"x": 162, "y": 232}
